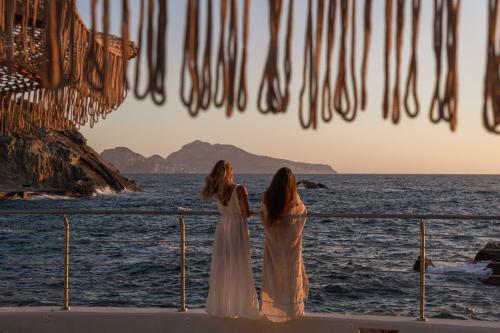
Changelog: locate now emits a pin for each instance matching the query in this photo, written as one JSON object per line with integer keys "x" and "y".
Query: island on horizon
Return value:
{"x": 199, "y": 157}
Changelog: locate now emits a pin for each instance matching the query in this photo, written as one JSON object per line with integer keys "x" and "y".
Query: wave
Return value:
{"x": 50, "y": 197}
{"x": 106, "y": 190}
{"x": 8, "y": 230}
{"x": 183, "y": 208}
{"x": 464, "y": 273}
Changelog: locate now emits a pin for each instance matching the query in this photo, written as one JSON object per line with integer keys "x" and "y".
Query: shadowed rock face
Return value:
{"x": 55, "y": 162}
{"x": 491, "y": 252}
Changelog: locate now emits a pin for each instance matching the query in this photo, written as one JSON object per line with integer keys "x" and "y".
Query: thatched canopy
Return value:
{"x": 49, "y": 57}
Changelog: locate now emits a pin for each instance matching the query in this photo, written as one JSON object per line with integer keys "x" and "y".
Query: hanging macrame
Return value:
{"x": 444, "y": 102}
{"x": 230, "y": 86}
{"x": 344, "y": 97}
{"x": 156, "y": 61}
{"x": 312, "y": 58}
{"x": 491, "y": 103}
{"x": 274, "y": 87}
{"x": 56, "y": 72}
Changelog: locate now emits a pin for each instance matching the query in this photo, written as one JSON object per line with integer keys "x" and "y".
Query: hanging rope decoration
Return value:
{"x": 271, "y": 97}
{"x": 411, "y": 81}
{"x": 444, "y": 104}
{"x": 190, "y": 57}
{"x": 326, "y": 95}
{"x": 391, "y": 103}
{"x": 156, "y": 62}
{"x": 346, "y": 103}
{"x": 491, "y": 102}
{"x": 55, "y": 72}
{"x": 312, "y": 58}
{"x": 228, "y": 91}
{"x": 343, "y": 101}
{"x": 366, "y": 51}
{"x": 125, "y": 39}
{"x": 45, "y": 52}
{"x": 196, "y": 79}
{"x": 96, "y": 71}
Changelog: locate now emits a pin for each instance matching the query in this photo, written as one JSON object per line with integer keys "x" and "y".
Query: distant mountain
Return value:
{"x": 200, "y": 157}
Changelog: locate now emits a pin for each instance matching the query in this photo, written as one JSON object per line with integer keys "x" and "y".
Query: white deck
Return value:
{"x": 156, "y": 320}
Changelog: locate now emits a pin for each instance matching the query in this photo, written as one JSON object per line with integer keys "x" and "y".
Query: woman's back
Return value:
{"x": 232, "y": 290}
{"x": 232, "y": 207}
{"x": 284, "y": 280}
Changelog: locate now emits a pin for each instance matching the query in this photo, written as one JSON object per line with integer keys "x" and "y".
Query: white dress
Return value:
{"x": 284, "y": 280}
{"x": 232, "y": 290}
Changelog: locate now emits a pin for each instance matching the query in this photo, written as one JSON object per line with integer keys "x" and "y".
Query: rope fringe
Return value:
{"x": 56, "y": 72}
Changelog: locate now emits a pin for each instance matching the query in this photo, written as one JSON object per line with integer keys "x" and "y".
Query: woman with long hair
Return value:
{"x": 284, "y": 280}
{"x": 232, "y": 290}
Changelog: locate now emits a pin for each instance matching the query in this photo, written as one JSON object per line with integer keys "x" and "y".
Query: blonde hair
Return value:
{"x": 219, "y": 183}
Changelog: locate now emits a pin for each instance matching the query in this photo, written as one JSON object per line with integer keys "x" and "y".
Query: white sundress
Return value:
{"x": 232, "y": 290}
{"x": 285, "y": 285}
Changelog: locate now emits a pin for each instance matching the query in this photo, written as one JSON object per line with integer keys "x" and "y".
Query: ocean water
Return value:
{"x": 354, "y": 266}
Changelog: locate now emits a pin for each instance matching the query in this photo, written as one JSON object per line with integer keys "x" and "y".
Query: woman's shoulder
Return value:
{"x": 299, "y": 205}
{"x": 241, "y": 191}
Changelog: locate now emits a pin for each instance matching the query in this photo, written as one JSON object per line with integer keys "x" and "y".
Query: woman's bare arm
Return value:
{"x": 242, "y": 193}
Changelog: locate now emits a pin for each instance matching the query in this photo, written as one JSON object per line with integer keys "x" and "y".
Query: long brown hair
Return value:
{"x": 219, "y": 183}
{"x": 281, "y": 194}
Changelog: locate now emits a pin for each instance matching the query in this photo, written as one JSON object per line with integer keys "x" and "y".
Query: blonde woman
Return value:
{"x": 232, "y": 290}
{"x": 284, "y": 280}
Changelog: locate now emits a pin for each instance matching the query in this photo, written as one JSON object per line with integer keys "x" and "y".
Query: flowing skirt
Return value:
{"x": 232, "y": 290}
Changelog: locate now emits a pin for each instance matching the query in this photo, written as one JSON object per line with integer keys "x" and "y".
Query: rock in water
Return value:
{"x": 491, "y": 252}
{"x": 416, "y": 265}
{"x": 54, "y": 162}
{"x": 308, "y": 184}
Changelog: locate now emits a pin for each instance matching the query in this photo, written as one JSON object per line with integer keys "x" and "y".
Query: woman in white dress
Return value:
{"x": 284, "y": 280}
{"x": 232, "y": 290}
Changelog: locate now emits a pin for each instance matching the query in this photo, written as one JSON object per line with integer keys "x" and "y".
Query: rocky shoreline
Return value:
{"x": 46, "y": 161}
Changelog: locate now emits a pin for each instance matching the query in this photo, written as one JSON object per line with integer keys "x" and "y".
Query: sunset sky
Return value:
{"x": 368, "y": 145}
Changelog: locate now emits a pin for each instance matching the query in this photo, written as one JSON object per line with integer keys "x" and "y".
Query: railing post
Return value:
{"x": 182, "y": 224}
{"x": 422, "y": 273}
{"x": 66, "y": 263}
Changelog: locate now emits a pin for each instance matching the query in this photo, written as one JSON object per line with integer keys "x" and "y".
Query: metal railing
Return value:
{"x": 182, "y": 213}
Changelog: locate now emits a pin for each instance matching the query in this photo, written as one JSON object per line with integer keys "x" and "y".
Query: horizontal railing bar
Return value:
{"x": 90, "y": 266}
{"x": 437, "y": 247}
{"x": 387, "y": 234}
{"x": 80, "y": 241}
{"x": 450, "y": 286}
{"x": 431, "y": 235}
{"x": 368, "y": 259}
{"x": 366, "y": 294}
{"x": 216, "y": 213}
{"x": 101, "y": 253}
{"x": 349, "y": 245}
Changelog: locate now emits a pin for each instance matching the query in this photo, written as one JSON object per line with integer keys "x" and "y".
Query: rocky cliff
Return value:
{"x": 55, "y": 162}
{"x": 199, "y": 157}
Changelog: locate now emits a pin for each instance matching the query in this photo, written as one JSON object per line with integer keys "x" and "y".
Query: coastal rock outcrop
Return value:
{"x": 45, "y": 161}
{"x": 310, "y": 185}
{"x": 491, "y": 252}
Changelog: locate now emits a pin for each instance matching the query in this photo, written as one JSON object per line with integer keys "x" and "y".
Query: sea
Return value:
{"x": 356, "y": 266}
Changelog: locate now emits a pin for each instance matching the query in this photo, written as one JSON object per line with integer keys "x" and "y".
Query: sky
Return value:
{"x": 368, "y": 145}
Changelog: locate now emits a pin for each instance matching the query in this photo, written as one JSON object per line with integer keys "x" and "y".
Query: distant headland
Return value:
{"x": 199, "y": 157}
